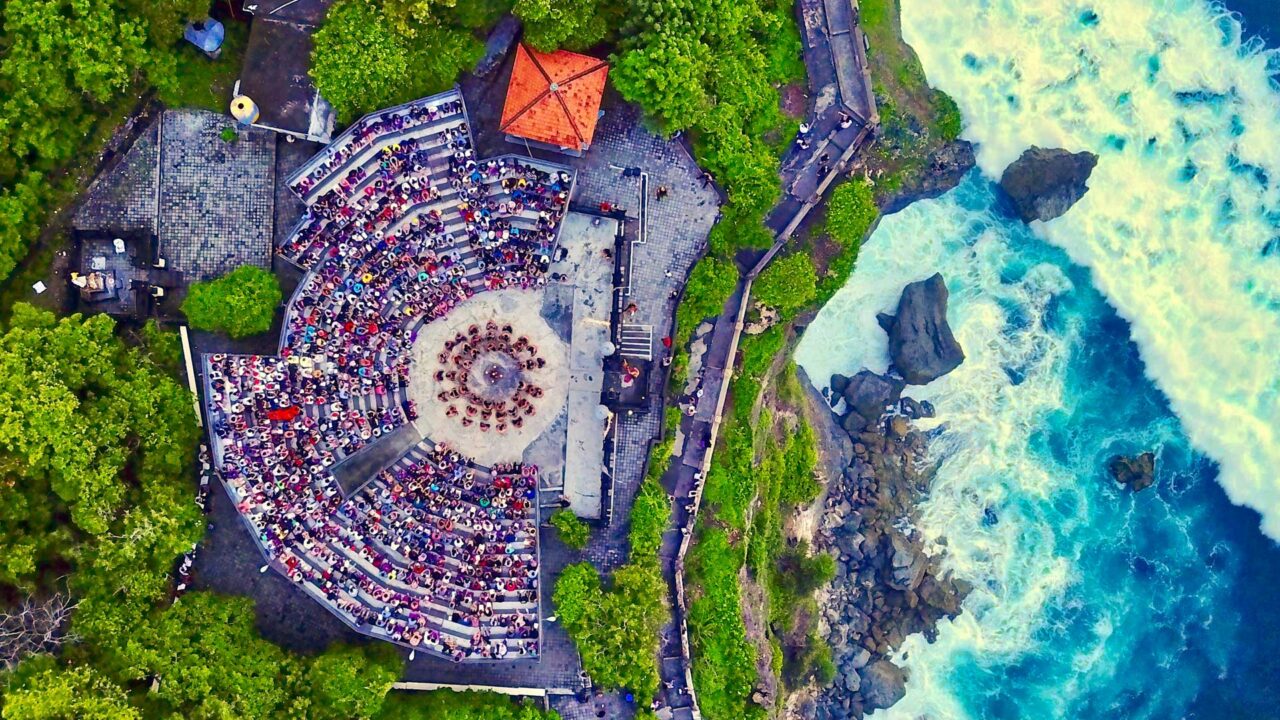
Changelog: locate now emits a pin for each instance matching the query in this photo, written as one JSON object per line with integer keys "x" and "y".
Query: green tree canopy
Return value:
{"x": 851, "y": 211}
{"x": 572, "y": 24}
{"x": 76, "y": 409}
{"x": 711, "y": 282}
{"x": 788, "y": 284}
{"x": 363, "y": 59}
{"x": 241, "y": 303}
{"x": 40, "y": 690}
{"x": 616, "y": 630}
{"x": 347, "y": 682}
{"x": 573, "y": 532}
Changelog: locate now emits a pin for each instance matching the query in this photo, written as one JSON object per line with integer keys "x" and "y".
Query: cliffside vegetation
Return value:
{"x": 916, "y": 120}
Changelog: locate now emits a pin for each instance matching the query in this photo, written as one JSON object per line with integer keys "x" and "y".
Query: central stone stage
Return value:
{"x": 490, "y": 377}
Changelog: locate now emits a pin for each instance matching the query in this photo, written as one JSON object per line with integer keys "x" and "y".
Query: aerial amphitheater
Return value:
{"x": 417, "y": 311}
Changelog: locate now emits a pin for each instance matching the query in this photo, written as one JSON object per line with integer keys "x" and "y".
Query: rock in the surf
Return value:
{"x": 921, "y": 343}
{"x": 1044, "y": 183}
{"x": 1134, "y": 472}
{"x": 883, "y": 684}
{"x": 869, "y": 395}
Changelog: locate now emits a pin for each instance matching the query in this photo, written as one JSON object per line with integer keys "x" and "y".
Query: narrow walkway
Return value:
{"x": 840, "y": 92}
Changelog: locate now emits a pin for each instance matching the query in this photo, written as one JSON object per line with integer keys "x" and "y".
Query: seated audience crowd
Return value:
{"x": 402, "y": 225}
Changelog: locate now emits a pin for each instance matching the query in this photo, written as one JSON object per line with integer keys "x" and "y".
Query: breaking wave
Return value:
{"x": 1146, "y": 318}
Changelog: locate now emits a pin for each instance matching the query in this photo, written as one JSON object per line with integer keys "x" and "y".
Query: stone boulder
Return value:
{"x": 1134, "y": 472}
{"x": 869, "y": 394}
{"x": 1043, "y": 184}
{"x": 883, "y": 684}
{"x": 838, "y": 384}
{"x": 921, "y": 343}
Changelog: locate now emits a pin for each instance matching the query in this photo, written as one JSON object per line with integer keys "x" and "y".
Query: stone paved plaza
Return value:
{"x": 124, "y": 198}
{"x": 209, "y": 202}
{"x": 216, "y": 198}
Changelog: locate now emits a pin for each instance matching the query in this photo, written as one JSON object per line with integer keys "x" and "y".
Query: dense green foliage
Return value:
{"x": 572, "y": 24}
{"x": 711, "y": 67}
{"x": 616, "y": 630}
{"x": 724, "y": 661}
{"x": 76, "y": 409}
{"x": 241, "y": 303}
{"x": 363, "y": 61}
{"x": 449, "y": 705}
{"x": 708, "y": 67}
{"x": 573, "y": 532}
{"x": 651, "y": 510}
{"x": 788, "y": 284}
{"x": 711, "y": 282}
{"x": 765, "y": 466}
{"x": 40, "y": 690}
{"x": 851, "y": 212}
{"x": 63, "y": 65}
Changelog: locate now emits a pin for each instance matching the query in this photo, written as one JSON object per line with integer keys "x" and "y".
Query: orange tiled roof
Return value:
{"x": 554, "y": 98}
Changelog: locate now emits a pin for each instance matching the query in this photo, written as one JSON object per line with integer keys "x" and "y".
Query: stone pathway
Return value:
{"x": 835, "y": 74}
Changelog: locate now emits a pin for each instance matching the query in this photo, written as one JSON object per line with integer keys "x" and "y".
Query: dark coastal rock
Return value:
{"x": 921, "y": 343}
{"x": 1043, "y": 184}
{"x": 1136, "y": 473}
{"x": 912, "y": 409}
{"x": 885, "y": 321}
{"x": 838, "y": 384}
{"x": 946, "y": 168}
{"x": 887, "y": 586}
{"x": 869, "y": 394}
{"x": 883, "y": 684}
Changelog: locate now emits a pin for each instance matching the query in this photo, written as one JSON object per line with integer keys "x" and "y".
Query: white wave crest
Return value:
{"x": 1180, "y": 224}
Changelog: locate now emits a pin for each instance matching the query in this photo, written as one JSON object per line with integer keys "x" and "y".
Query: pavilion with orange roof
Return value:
{"x": 553, "y": 99}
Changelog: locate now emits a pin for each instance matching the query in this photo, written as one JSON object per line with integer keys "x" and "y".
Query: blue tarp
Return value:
{"x": 208, "y": 37}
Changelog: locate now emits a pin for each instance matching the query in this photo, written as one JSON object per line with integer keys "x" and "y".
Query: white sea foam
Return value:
{"x": 1032, "y": 568}
{"x": 1179, "y": 257}
{"x": 1157, "y": 89}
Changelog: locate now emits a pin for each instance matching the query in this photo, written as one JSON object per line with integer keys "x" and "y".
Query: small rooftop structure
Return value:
{"x": 275, "y": 74}
{"x": 553, "y": 99}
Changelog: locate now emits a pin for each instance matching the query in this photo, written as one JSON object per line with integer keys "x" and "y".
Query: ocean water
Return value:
{"x": 1146, "y": 318}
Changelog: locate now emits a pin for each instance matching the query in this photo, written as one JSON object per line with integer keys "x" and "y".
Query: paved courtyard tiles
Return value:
{"x": 216, "y": 198}
{"x": 124, "y": 198}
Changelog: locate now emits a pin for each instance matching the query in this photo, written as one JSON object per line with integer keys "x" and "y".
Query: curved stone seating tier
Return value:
{"x": 403, "y": 224}
{"x": 373, "y": 131}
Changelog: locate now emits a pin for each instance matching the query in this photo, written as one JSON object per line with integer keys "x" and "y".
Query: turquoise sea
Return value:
{"x": 1146, "y": 318}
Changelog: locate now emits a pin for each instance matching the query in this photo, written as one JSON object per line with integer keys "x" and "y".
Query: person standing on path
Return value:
{"x": 662, "y": 191}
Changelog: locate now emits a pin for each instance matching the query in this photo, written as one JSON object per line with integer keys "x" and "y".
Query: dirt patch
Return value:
{"x": 755, "y": 614}
{"x": 793, "y": 100}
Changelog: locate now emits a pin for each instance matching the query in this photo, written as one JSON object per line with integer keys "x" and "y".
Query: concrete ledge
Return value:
{"x": 513, "y": 691}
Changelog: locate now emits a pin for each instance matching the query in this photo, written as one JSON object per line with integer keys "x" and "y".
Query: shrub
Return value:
{"x": 850, "y": 212}
{"x": 788, "y": 284}
{"x": 573, "y": 532}
{"x": 241, "y": 303}
{"x": 552, "y": 24}
{"x": 711, "y": 282}
{"x": 617, "y": 631}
